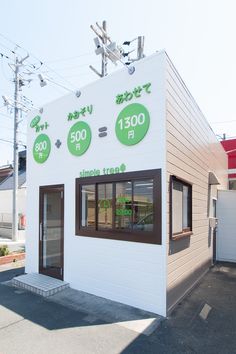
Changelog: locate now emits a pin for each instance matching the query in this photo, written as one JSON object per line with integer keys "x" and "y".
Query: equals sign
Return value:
{"x": 102, "y": 132}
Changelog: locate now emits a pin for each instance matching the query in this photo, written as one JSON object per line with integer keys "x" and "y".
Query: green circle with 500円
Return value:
{"x": 41, "y": 148}
{"x": 79, "y": 138}
{"x": 132, "y": 124}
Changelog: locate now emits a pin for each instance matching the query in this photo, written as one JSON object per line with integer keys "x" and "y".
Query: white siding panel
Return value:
{"x": 192, "y": 152}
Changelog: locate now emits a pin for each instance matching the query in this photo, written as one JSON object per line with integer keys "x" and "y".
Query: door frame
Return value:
{"x": 42, "y": 190}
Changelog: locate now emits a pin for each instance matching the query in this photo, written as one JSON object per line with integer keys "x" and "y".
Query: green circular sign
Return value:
{"x": 79, "y": 138}
{"x": 35, "y": 121}
{"x": 42, "y": 148}
{"x": 132, "y": 124}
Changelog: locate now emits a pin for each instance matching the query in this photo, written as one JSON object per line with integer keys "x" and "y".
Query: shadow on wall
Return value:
{"x": 177, "y": 292}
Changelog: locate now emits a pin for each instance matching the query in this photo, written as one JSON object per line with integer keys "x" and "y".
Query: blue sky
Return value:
{"x": 198, "y": 35}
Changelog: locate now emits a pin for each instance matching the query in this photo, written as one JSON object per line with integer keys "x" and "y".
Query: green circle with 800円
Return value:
{"x": 41, "y": 148}
{"x": 79, "y": 138}
{"x": 132, "y": 124}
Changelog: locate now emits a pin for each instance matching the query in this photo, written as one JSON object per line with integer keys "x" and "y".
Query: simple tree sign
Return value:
{"x": 132, "y": 124}
{"x": 79, "y": 138}
{"x": 41, "y": 148}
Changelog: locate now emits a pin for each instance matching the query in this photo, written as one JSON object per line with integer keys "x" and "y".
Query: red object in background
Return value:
{"x": 230, "y": 147}
{"x": 22, "y": 222}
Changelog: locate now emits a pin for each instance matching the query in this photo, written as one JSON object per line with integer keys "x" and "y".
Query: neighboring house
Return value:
{"x": 6, "y": 193}
{"x": 5, "y": 172}
{"x": 122, "y": 186}
{"x": 230, "y": 148}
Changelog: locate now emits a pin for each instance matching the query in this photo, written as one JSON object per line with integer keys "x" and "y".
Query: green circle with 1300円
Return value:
{"x": 41, "y": 148}
{"x": 79, "y": 138}
{"x": 132, "y": 124}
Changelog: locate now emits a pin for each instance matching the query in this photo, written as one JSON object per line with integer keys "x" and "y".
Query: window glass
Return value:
{"x": 185, "y": 207}
{"x": 181, "y": 207}
{"x": 88, "y": 206}
{"x": 177, "y": 207}
{"x": 214, "y": 208}
{"x": 143, "y": 205}
{"x": 119, "y": 206}
{"x": 123, "y": 211}
{"x": 232, "y": 184}
{"x": 104, "y": 206}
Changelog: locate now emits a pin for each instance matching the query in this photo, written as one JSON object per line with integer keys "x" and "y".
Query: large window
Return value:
{"x": 123, "y": 206}
{"x": 180, "y": 208}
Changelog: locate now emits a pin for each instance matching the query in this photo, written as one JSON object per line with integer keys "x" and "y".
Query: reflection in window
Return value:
{"x": 88, "y": 206}
{"x": 105, "y": 206}
{"x": 123, "y": 212}
{"x": 143, "y": 205}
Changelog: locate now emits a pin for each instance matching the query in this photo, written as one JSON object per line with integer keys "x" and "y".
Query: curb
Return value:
{"x": 12, "y": 258}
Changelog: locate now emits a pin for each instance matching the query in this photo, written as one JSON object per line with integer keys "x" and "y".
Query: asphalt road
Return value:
{"x": 205, "y": 322}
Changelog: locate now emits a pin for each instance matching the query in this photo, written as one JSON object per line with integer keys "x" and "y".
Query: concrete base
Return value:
{"x": 39, "y": 284}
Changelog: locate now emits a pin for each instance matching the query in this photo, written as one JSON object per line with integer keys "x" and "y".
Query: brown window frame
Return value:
{"x": 188, "y": 231}
{"x": 153, "y": 237}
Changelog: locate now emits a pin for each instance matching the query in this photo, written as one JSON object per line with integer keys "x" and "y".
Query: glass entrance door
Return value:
{"x": 51, "y": 231}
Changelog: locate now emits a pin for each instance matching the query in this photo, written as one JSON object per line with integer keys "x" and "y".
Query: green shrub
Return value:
{"x": 4, "y": 251}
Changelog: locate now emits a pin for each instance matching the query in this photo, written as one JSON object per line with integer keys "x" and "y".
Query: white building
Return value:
{"x": 122, "y": 183}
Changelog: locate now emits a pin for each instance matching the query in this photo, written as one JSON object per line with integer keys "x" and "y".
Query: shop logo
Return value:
{"x": 105, "y": 204}
{"x": 132, "y": 124}
{"x": 35, "y": 121}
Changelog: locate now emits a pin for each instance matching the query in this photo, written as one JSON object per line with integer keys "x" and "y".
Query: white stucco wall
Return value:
{"x": 6, "y": 201}
{"x": 129, "y": 272}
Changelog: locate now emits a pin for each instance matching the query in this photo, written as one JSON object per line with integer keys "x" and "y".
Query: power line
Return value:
{"x": 5, "y": 115}
{"x": 70, "y": 58}
{"x": 6, "y": 141}
{"x": 75, "y": 75}
{"x": 4, "y": 74}
{"x": 10, "y": 50}
{"x": 73, "y": 67}
{"x": 226, "y": 121}
{"x": 11, "y": 142}
{"x": 7, "y": 128}
{"x": 42, "y": 63}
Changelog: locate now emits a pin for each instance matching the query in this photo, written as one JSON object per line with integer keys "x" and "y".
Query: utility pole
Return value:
{"x": 101, "y": 32}
{"x": 140, "y": 48}
{"x": 18, "y": 64}
{"x": 108, "y": 49}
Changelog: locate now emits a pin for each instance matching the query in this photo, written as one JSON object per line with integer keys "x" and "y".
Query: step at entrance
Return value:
{"x": 39, "y": 284}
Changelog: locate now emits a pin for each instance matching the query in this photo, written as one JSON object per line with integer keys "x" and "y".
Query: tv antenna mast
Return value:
{"x": 108, "y": 49}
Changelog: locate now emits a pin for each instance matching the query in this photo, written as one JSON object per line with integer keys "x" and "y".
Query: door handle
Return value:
{"x": 40, "y": 231}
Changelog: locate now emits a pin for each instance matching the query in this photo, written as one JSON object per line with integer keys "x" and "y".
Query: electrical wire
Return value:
{"x": 11, "y": 142}
{"x": 42, "y": 63}
{"x": 12, "y": 129}
{"x": 5, "y": 47}
{"x": 5, "y": 115}
{"x": 74, "y": 67}
{"x": 70, "y": 58}
{"x": 222, "y": 122}
{"x": 6, "y": 141}
{"x": 4, "y": 74}
{"x": 82, "y": 74}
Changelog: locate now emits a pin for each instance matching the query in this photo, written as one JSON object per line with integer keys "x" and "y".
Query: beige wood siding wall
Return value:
{"x": 192, "y": 152}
